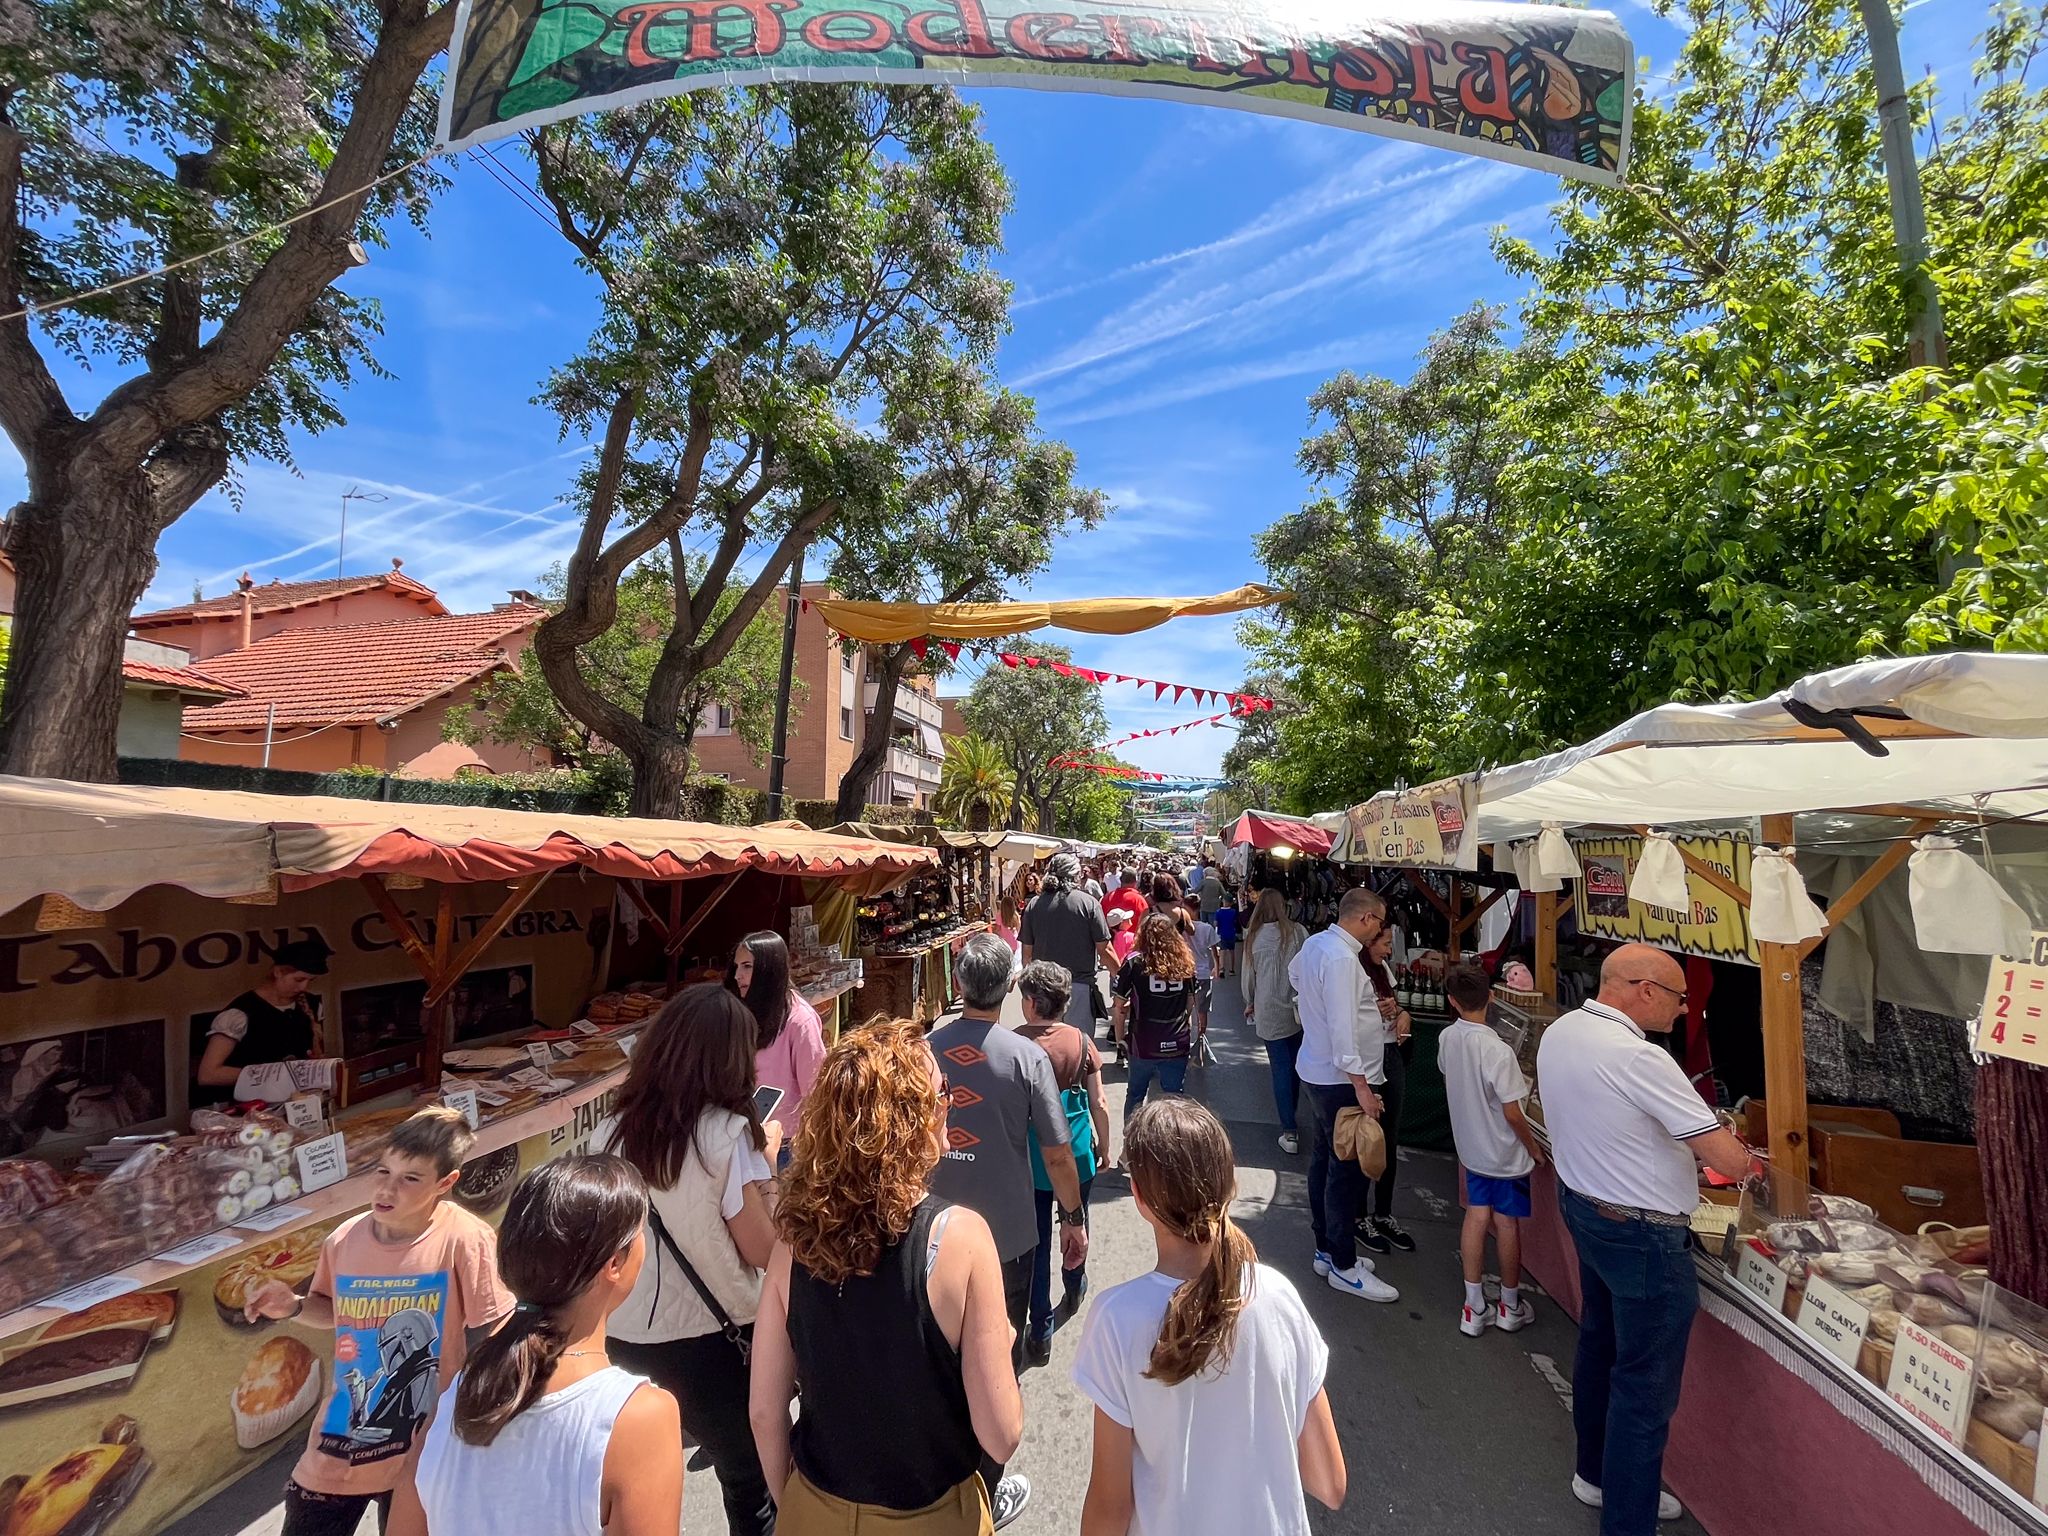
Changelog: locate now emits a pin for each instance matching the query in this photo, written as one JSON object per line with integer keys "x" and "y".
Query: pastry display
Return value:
{"x": 291, "y": 1259}
{"x": 277, "y": 1387}
{"x": 78, "y": 1494}
{"x": 153, "y": 1312}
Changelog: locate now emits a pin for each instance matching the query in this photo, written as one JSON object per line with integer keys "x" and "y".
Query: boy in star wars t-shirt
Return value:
{"x": 405, "y": 1286}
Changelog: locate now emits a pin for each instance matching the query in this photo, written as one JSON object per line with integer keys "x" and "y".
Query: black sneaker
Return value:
{"x": 1369, "y": 1236}
{"x": 1390, "y": 1229}
{"x": 1038, "y": 1352}
{"x": 1012, "y": 1494}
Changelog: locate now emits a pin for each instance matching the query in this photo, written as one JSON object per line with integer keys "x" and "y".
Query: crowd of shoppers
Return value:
{"x": 834, "y": 1294}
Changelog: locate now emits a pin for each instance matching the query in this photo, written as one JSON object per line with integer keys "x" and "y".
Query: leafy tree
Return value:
{"x": 976, "y": 786}
{"x": 273, "y": 138}
{"x": 1033, "y": 715}
{"x": 519, "y": 707}
{"x": 1094, "y": 808}
{"x": 779, "y": 264}
{"x": 981, "y": 504}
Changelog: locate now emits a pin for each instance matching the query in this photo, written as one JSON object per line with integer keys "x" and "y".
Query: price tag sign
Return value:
{"x": 538, "y": 1053}
{"x": 271, "y": 1217}
{"x": 200, "y": 1249}
{"x": 625, "y": 1043}
{"x": 1833, "y": 1321}
{"x": 93, "y": 1292}
{"x": 305, "y": 1115}
{"x": 463, "y": 1099}
{"x": 537, "y": 1078}
{"x": 584, "y": 1027}
{"x": 1761, "y": 1278}
{"x": 322, "y": 1162}
{"x": 486, "y": 1094}
{"x": 1931, "y": 1381}
{"x": 2015, "y": 1018}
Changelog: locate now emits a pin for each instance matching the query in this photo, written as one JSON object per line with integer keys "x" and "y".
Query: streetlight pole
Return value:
{"x": 778, "y": 758}
{"x": 341, "y": 539}
{"x": 1926, "y": 342}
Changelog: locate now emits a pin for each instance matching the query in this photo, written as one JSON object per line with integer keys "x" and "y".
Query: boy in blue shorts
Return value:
{"x": 1495, "y": 1146}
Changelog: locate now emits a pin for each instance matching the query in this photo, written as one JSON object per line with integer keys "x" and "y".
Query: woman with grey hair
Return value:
{"x": 1045, "y": 989}
{"x": 1065, "y": 925}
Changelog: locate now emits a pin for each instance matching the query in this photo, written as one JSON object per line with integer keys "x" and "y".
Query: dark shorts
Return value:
{"x": 1507, "y": 1197}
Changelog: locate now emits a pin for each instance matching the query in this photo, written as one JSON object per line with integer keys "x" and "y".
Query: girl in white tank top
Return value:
{"x": 523, "y": 1438}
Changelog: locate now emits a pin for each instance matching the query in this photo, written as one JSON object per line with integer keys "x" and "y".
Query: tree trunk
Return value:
{"x": 2012, "y": 1148}
{"x": 83, "y": 557}
{"x": 874, "y": 742}
{"x": 661, "y": 771}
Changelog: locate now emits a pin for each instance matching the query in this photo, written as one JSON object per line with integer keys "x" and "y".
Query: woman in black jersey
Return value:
{"x": 887, "y": 1304}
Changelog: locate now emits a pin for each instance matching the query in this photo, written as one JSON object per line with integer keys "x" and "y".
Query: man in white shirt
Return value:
{"x": 1341, "y": 1062}
{"x": 1626, "y": 1133}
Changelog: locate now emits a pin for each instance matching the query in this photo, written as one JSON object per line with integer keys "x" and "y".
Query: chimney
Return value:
{"x": 248, "y": 608}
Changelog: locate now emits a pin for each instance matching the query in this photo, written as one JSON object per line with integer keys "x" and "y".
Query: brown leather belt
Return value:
{"x": 1615, "y": 1212}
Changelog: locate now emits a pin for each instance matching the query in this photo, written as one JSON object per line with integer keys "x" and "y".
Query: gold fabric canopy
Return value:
{"x": 886, "y": 623}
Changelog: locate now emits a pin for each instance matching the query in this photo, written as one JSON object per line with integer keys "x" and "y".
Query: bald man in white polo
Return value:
{"x": 1627, "y": 1135}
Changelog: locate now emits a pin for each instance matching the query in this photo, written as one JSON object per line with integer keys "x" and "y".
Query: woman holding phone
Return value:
{"x": 790, "y": 1042}
{"x": 686, "y": 1120}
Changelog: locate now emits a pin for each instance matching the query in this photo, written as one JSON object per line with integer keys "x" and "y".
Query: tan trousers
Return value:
{"x": 808, "y": 1511}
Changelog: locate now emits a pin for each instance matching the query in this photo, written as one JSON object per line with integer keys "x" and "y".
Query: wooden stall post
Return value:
{"x": 1454, "y": 943}
{"x": 1546, "y": 944}
{"x": 1784, "y": 1030}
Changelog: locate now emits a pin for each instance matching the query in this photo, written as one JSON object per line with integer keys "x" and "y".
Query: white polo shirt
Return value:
{"x": 1619, "y": 1112}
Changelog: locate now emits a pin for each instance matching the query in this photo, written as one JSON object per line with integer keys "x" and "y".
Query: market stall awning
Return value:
{"x": 1958, "y": 734}
{"x": 97, "y": 844}
{"x": 886, "y": 623}
{"x": 917, "y": 832}
{"x": 1270, "y": 829}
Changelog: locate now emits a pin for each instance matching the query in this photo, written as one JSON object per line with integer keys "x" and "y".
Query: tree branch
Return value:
{"x": 31, "y": 404}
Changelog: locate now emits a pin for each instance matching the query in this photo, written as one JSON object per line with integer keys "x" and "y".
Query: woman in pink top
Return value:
{"x": 791, "y": 1040}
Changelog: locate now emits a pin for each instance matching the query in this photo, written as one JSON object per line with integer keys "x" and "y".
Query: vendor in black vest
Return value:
{"x": 272, "y": 1021}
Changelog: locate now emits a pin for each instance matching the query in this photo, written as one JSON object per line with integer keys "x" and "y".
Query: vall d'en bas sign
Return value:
{"x": 1539, "y": 85}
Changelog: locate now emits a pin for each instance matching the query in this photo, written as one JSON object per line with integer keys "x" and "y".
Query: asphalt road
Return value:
{"x": 1441, "y": 1433}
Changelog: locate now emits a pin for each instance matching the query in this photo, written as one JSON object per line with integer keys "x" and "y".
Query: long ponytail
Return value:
{"x": 1183, "y": 1168}
{"x": 566, "y": 1221}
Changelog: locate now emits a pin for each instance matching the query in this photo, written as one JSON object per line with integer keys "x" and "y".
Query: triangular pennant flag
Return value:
{"x": 918, "y": 646}
{"x": 1159, "y": 690}
{"x": 1178, "y": 690}
{"x": 1063, "y": 669}
{"x": 1009, "y": 661}
{"x": 951, "y": 648}
{"x": 1123, "y": 677}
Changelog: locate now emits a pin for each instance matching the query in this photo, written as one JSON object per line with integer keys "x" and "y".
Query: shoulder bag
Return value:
{"x": 727, "y": 1326}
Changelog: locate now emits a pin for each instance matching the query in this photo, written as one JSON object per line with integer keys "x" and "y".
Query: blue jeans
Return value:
{"x": 1280, "y": 1056}
{"x": 1640, "y": 1291}
{"x": 1337, "y": 1186}
{"x": 1071, "y": 1280}
{"x": 1171, "y": 1075}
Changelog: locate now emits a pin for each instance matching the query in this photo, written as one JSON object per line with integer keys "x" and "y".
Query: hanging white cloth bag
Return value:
{"x": 1780, "y": 911}
{"x": 1659, "y": 878}
{"x": 1958, "y": 908}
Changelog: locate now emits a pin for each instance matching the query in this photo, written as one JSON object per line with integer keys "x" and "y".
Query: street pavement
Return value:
{"x": 1441, "y": 1433}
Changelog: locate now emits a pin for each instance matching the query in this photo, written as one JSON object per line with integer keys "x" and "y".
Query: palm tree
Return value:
{"x": 976, "y": 783}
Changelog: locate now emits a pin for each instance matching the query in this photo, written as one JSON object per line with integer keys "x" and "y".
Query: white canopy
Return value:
{"x": 1960, "y": 733}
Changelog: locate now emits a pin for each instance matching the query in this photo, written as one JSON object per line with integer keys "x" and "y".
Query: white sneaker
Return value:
{"x": 1290, "y": 1143}
{"x": 1668, "y": 1507}
{"x": 1012, "y": 1494}
{"x": 1473, "y": 1321}
{"x": 1323, "y": 1266}
{"x": 1515, "y": 1320}
{"x": 1359, "y": 1280}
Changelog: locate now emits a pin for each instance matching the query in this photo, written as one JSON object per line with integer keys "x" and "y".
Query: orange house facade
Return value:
{"x": 357, "y": 671}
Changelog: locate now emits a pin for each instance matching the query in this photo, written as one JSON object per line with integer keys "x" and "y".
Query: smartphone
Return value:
{"x": 765, "y": 1100}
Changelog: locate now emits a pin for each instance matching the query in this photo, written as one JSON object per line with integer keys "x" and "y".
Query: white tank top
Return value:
{"x": 543, "y": 1473}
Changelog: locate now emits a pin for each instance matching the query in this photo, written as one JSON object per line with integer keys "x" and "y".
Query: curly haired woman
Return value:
{"x": 1157, "y": 988}
{"x": 888, "y": 1304}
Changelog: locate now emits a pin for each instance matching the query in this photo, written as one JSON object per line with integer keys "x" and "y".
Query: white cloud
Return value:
{"x": 1318, "y": 359}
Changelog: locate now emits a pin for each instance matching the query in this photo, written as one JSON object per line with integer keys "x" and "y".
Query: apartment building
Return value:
{"x": 826, "y": 726}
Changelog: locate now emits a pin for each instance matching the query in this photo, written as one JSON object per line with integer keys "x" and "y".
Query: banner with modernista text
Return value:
{"x": 1538, "y": 85}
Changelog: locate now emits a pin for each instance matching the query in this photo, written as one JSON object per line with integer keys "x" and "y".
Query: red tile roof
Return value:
{"x": 189, "y": 681}
{"x": 279, "y": 596}
{"x": 356, "y": 674}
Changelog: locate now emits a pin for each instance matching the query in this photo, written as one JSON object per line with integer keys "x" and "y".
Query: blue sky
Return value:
{"x": 1184, "y": 277}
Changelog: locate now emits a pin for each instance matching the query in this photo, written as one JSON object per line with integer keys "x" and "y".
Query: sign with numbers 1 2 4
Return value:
{"x": 2015, "y": 1018}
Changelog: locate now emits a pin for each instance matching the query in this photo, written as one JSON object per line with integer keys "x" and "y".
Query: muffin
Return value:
{"x": 277, "y": 1387}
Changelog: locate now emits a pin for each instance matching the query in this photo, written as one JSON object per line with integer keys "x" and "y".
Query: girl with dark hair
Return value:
{"x": 685, "y": 1119}
{"x": 1206, "y": 1374}
{"x": 791, "y": 1041}
{"x": 887, "y": 1303}
{"x": 1155, "y": 994}
{"x": 541, "y": 1431}
{"x": 1378, "y": 1231}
